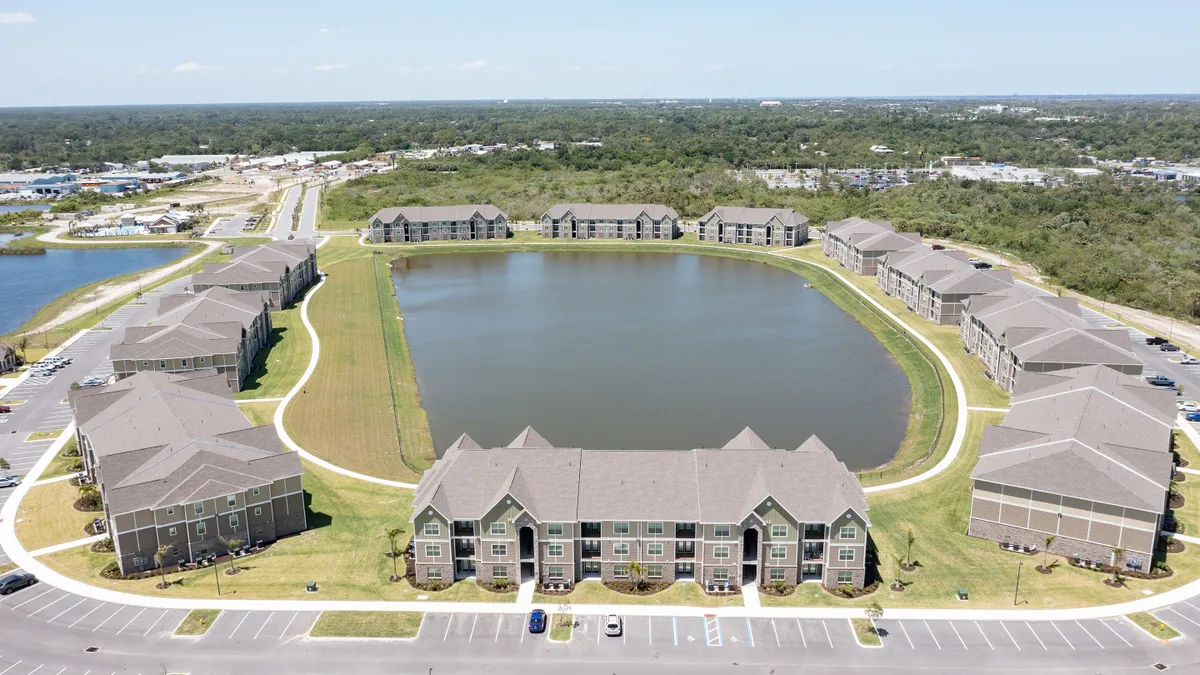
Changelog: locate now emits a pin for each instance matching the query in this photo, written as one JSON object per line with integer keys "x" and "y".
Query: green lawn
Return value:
{"x": 368, "y": 624}
{"x": 279, "y": 364}
{"x": 259, "y": 414}
{"x": 47, "y": 516}
{"x": 343, "y": 551}
{"x": 43, "y": 435}
{"x": 561, "y": 627}
{"x": 1153, "y": 625}
{"x": 679, "y": 593}
{"x": 864, "y": 630}
{"x": 197, "y": 622}
{"x": 62, "y": 464}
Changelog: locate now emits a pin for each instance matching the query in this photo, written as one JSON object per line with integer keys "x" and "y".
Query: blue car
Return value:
{"x": 537, "y": 621}
{"x": 1193, "y": 417}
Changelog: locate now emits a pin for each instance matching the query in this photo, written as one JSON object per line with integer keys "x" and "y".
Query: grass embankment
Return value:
{"x": 561, "y": 627}
{"x": 367, "y": 625}
{"x": 1189, "y": 487}
{"x": 679, "y": 593}
{"x": 259, "y": 413}
{"x": 47, "y": 516}
{"x": 361, "y": 409}
{"x": 64, "y": 462}
{"x": 343, "y": 551}
{"x": 1153, "y": 625}
{"x": 280, "y": 363}
{"x": 864, "y": 632}
{"x": 197, "y": 622}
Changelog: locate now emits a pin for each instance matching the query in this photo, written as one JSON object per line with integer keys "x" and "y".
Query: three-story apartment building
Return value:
{"x": 744, "y": 513}
{"x": 758, "y": 227}
{"x": 610, "y": 221}
{"x": 280, "y": 269}
{"x": 467, "y": 222}
{"x": 859, "y": 245}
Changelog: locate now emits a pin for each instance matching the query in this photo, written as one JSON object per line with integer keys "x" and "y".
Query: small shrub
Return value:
{"x": 779, "y": 586}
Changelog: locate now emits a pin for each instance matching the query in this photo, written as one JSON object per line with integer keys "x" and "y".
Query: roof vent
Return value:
{"x": 1160, "y": 666}
{"x": 92, "y": 650}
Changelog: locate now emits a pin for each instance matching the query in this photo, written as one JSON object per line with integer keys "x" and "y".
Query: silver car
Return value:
{"x": 613, "y": 626}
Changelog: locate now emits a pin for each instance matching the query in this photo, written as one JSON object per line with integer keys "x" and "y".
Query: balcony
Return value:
{"x": 464, "y": 530}
{"x": 687, "y": 531}
{"x": 750, "y": 555}
{"x": 589, "y": 553}
{"x": 464, "y": 551}
{"x": 814, "y": 534}
{"x": 685, "y": 554}
{"x": 589, "y": 530}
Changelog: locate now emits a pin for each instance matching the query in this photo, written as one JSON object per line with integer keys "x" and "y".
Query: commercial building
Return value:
{"x": 610, "y": 221}
{"x": 934, "y": 283}
{"x": 179, "y": 466}
{"x": 1015, "y": 331}
{"x": 215, "y": 329}
{"x": 859, "y": 245}
{"x": 759, "y": 227}
{"x": 1083, "y": 455}
{"x": 281, "y": 269}
{"x": 39, "y": 184}
{"x": 743, "y": 513}
{"x": 406, "y": 224}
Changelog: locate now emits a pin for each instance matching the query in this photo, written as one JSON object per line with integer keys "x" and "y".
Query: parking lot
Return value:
{"x": 231, "y": 226}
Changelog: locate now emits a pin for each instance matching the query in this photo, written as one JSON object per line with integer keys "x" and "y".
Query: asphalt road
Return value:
{"x": 283, "y": 226}
{"x": 308, "y": 214}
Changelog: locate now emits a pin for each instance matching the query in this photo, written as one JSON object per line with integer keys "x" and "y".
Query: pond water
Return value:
{"x": 643, "y": 350}
{"x": 27, "y": 282}
{"x": 15, "y": 208}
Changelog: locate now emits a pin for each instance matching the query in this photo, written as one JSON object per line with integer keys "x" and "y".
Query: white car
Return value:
{"x": 613, "y": 626}
{"x": 1188, "y": 406}
{"x": 1189, "y": 361}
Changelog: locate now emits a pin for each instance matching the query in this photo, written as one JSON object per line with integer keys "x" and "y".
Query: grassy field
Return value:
{"x": 680, "y": 593}
{"x": 43, "y": 435}
{"x": 1153, "y": 625}
{"x": 368, "y": 625}
{"x": 46, "y": 516}
{"x": 279, "y": 365}
{"x": 197, "y": 622}
{"x": 864, "y": 630}
{"x": 343, "y": 551}
{"x": 348, "y": 415}
{"x": 259, "y": 413}
{"x": 61, "y": 464}
{"x": 561, "y": 627}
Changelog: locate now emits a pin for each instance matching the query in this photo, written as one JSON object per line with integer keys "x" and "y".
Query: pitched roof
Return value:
{"x": 1089, "y": 433}
{"x": 922, "y": 259}
{"x": 241, "y": 271}
{"x": 424, "y": 214}
{"x": 177, "y": 341}
{"x": 1072, "y": 345}
{"x": 215, "y": 305}
{"x": 529, "y": 438}
{"x": 843, "y": 228}
{"x": 972, "y": 281}
{"x": 755, "y": 216}
{"x": 611, "y": 211}
{"x": 291, "y": 252}
{"x": 883, "y": 241}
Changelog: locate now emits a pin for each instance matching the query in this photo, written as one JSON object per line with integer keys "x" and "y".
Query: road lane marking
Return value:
{"x": 801, "y": 629}
{"x": 964, "y": 644}
{"x": 160, "y": 617}
{"x": 260, "y": 628}
{"x": 650, "y": 629}
{"x": 2, "y": 672}
{"x": 985, "y": 637}
{"x": 906, "y": 637}
{"x": 135, "y": 616}
{"x": 1064, "y": 637}
{"x": 472, "y": 636}
{"x": 81, "y": 601}
{"x": 935, "y": 640}
{"x": 1114, "y": 632}
{"x": 1010, "y": 637}
{"x": 109, "y": 617}
{"x": 827, "y": 635}
{"x": 777, "y": 643}
{"x": 87, "y": 615}
{"x": 675, "y": 629}
{"x": 601, "y": 623}
{"x": 1089, "y": 634}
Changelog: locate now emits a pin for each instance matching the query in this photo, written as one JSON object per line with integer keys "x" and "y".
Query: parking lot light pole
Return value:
{"x": 1018, "y": 587}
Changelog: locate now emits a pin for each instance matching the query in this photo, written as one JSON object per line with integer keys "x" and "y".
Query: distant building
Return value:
{"x": 610, "y": 221}
{"x": 859, "y": 245}
{"x": 934, "y": 284}
{"x": 408, "y": 224}
{"x": 881, "y": 149}
{"x": 769, "y": 104}
{"x": 759, "y": 227}
{"x": 194, "y": 162}
{"x": 955, "y": 160}
{"x": 40, "y": 184}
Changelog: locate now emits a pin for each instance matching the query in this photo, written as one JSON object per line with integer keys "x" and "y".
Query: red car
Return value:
{"x": 5, "y": 409}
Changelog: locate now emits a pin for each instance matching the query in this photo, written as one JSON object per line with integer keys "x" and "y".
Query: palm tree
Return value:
{"x": 4, "y": 466}
{"x": 159, "y": 557}
{"x": 1046, "y": 552}
{"x": 22, "y": 345}
{"x": 89, "y": 495}
{"x": 1118, "y": 558}
{"x": 909, "y": 540}
{"x": 392, "y": 534}
{"x": 231, "y": 545}
{"x": 636, "y": 571}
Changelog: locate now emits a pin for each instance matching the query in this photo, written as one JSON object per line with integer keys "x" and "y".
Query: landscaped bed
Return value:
{"x": 678, "y": 593}
{"x": 561, "y": 627}
{"x": 864, "y": 632}
{"x": 197, "y": 622}
{"x": 1153, "y": 625}
{"x": 367, "y": 625}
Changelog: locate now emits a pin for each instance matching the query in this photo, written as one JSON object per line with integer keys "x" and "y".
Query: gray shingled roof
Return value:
{"x": 215, "y": 305}
{"x": 1072, "y": 345}
{"x": 972, "y": 281}
{"x": 241, "y": 271}
{"x": 843, "y": 228}
{"x": 883, "y": 241}
{"x": 424, "y": 214}
{"x": 925, "y": 259}
{"x": 178, "y": 341}
{"x": 1090, "y": 433}
{"x": 755, "y": 216}
{"x": 611, "y": 211}
{"x": 291, "y": 253}
{"x": 570, "y": 484}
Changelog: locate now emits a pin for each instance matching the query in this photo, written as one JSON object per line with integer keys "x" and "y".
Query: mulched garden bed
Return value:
{"x": 1182, "y": 462}
{"x": 112, "y": 571}
{"x": 629, "y": 588}
{"x": 103, "y": 546}
{"x": 897, "y": 588}
{"x": 88, "y": 505}
{"x": 497, "y": 588}
{"x": 775, "y": 591}
{"x": 1175, "y": 546}
{"x": 1155, "y": 574}
{"x": 849, "y": 592}
{"x": 1179, "y": 477}
{"x": 1111, "y": 583}
{"x": 1042, "y": 569}
{"x": 553, "y": 591}
{"x": 1177, "y": 501}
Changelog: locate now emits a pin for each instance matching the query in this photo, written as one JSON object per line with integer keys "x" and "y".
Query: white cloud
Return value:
{"x": 953, "y": 66}
{"x": 473, "y": 65}
{"x": 330, "y": 67}
{"x": 322, "y": 30}
{"x": 191, "y": 67}
{"x": 16, "y": 17}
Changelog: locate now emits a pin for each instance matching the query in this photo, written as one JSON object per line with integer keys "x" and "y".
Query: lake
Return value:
{"x": 643, "y": 350}
{"x": 15, "y": 208}
{"x": 27, "y": 282}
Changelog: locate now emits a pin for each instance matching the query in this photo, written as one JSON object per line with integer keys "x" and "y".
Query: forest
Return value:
{"x": 836, "y": 133}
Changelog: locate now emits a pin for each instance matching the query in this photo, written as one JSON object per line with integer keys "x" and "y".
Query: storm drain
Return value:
{"x": 91, "y": 650}
{"x": 1161, "y": 666}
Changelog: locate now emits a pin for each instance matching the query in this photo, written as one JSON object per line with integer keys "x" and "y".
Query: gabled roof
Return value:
{"x": 425, "y": 214}
{"x": 883, "y": 241}
{"x": 215, "y": 305}
{"x": 746, "y": 440}
{"x": 291, "y": 253}
{"x": 529, "y": 438}
{"x": 241, "y": 271}
{"x": 1072, "y": 345}
{"x": 843, "y": 228}
{"x": 177, "y": 341}
{"x": 925, "y": 259}
{"x": 755, "y": 216}
{"x": 972, "y": 281}
{"x": 611, "y": 211}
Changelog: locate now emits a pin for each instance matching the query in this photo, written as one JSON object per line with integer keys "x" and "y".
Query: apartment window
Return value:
{"x": 554, "y": 529}
{"x": 554, "y": 550}
{"x": 200, "y": 529}
{"x": 499, "y": 550}
{"x": 846, "y": 555}
{"x": 847, "y": 532}
{"x": 620, "y": 549}
{"x": 720, "y": 552}
{"x": 199, "y": 508}
{"x": 845, "y": 577}
{"x": 499, "y": 529}
{"x": 233, "y": 521}
{"x": 777, "y": 574}
{"x": 499, "y": 572}
{"x": 162, "y": 365}
{"x": 170, "y": 510}
{"x": 555, "y": 573}
{"x": 654, "y": 549}
{"x": 778, "y": 552}
{"x": 185, "y": 363}
{"x": 654, "y": 571}
{"x": 621, "y": 572}
{"x": 654, "y": 528}
{"x": 620, "y": 528}
{"x": 258, "y": 510}
{"x": 779, "y": 531}
{"x": 433, "y": 530}
{"x": 231, "y": 501}
{"x": 434, "y": 574}
{"x": 720, "y": 530}
{"x": 255, "y": 492}
{"x": 433, "y": 550}
{"x": 171, "y": 531}
{"x": 720, "y": 574}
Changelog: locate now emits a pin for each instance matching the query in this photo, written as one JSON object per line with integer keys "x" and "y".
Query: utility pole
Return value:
{"x": 1018, "y": 587}
{"x": 217, "y": 576}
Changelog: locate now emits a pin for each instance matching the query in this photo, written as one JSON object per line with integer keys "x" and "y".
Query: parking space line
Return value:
{"x": 296, "y": 614}
{"x": 260, "y": 628}
{"x": 1089, "y": 634}
{"x": 1114, "y": 632}
{"x": 88, "y": 614}
{"x": 472, "y": 636}
{"x": 1185, "y": 618}
{"x": 160, "y": 618}
{"x": 52, "y": 602}
{"x": 109, "y": 617}
{"x": 675, "y": 628}
{"x": 985, "y": 637}
{"x": 1010, "y": 637}
{"x": 800, "y": 628}
{"x": 827, "y": 635}
{"x": 498, "y": 624}
{"x": 650, "y": 628}
{"x": 964, "y": 644}
{"x": 749, "y": 631}
{"x": 448, "y": 625}
{"x": 135, "y": 616}
{"x": 905, "y": 630}
{"x": 777, "y": 644}
{"x": 48, "y": 590}
{"x": 1064, "y": 637}
{"x": 239, "y": 626}
{"x": 600, "y": 623}
{"x": 935, "y": 640}
{"x": 81, "y": 600}
{"x": 2, "y": 672}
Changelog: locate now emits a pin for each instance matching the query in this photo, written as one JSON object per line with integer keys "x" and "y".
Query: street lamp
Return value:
{"x": 1018, "y": 587}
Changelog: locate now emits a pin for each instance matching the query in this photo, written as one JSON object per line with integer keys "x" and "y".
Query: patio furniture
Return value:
{"x": 962, "y": 594}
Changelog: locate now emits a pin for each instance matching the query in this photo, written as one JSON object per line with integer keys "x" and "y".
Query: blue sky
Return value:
{"x": 77, "y": 52}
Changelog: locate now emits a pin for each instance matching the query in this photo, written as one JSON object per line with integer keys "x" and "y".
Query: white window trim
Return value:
{"x": 503, "y": 550}
{"x": 842, "y": 532}
{"x": 550, "y": 550}
{"x": 550, "y": 529}
{"x": 503, "y": 529}
{"x": 616, "y": 548}
{"x": 201, "y": 529}
{"x": 436, "y": 529}
{"x": 717, "y": 550}
{"x": 436, "y": 548}
{"x": 786, "y": 529}
{"x": 650, "y": 527}
{"x": 779, "y": 549}
{"x": 650, "y": 548}
{"x": 624, "y": 523}
{"x": 843, "y": 558}
{"x": 499, "y": 568}
{"x": 717, "y": 531}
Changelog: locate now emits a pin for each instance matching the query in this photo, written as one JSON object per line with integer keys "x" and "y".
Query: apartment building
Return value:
{"x": 282, "y": 269}
{"x": 758, "y": 227}
{"x": 1014, "y": 331}
{"x": 407, "y": 224}
{"x": 744, "y": 513}
{"x": 934, "y": 283}
{"x": 1083, "y": 455}
{"x": 8, "y": 357}
{"x": 859, "y": 245}
{"x": 215, "y": 329}
{"x": 610, "y": 221}
{"x": 178, "y": 465}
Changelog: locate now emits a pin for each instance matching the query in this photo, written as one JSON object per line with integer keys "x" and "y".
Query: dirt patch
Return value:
{"x": 1042, "y": 569}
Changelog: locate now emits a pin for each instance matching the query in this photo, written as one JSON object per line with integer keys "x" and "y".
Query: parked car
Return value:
{"x": 92, "y": 381}
{"x": 537, "y": 621}
{"x": 9, "y": 481}
{"x": 1193, "y": 417}
{"x": 613, "y": 626}
{"x": 41, "y": 372}
{"x": 1168, "y": 347}
{"x": 1188, "y": 406}
{"x": 1189, "y": 361}
{"x": 17, "y": 581}
{"x": 5, "y": 409}
{"x": 974, "y": 261}
{"x": 938, "y": 247}
{"x": 1159, "y": 380}
{"x": 1155, "y": 341}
